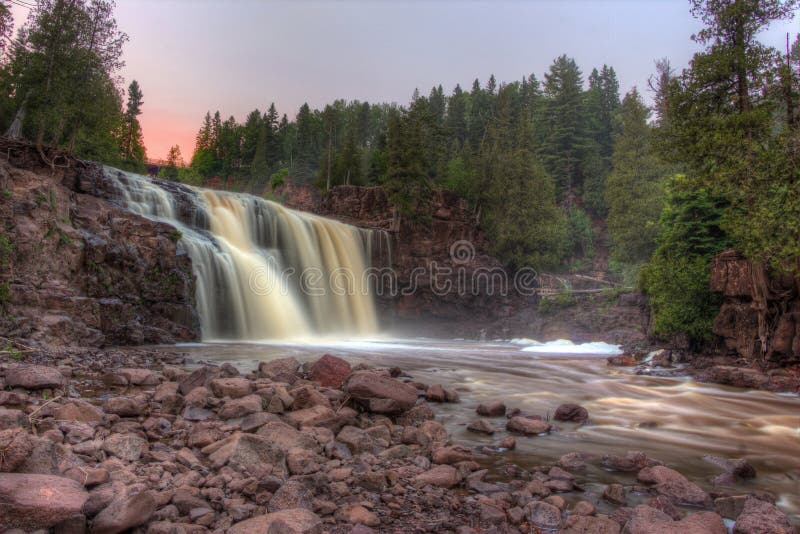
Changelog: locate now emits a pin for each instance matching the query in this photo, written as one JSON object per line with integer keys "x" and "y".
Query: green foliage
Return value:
{"x": 550, "y": 304}
{"x": 6, "y": 250}
{"x": 634, "y": 190}
{"x": 580, "y": 237}
{"x": 5, "y": 293}
{"x": 59, "y": 78}
{"x": 676, "y": 280}
{"x": 278, "y": 179}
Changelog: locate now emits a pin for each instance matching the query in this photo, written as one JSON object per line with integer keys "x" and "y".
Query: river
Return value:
{"x": 673, "y": 419}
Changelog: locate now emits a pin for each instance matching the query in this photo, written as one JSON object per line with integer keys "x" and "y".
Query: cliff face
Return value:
{"x": 78, "y": 270}
{"x": 760, "y": 313}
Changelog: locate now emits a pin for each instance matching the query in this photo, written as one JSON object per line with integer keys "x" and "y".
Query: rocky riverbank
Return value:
{"x": 107, "y": 441}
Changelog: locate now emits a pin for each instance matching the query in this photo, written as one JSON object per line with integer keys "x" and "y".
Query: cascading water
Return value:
{"x": 264, "y": 271}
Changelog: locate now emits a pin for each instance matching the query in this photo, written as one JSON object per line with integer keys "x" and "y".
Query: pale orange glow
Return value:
{"x": 163, "y": 129}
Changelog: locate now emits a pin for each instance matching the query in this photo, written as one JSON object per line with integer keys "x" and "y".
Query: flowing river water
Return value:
{"x": 675, "y": 420}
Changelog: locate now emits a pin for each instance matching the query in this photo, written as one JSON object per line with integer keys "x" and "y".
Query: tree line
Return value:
{"x": 60, "y": 85}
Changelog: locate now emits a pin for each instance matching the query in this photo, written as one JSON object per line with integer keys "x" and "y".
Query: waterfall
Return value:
{"x": 264, "y": 271}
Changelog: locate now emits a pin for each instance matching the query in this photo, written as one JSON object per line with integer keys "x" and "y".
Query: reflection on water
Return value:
{"x": 675, "y": 420}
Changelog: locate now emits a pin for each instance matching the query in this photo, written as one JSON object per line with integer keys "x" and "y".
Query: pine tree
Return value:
{"x": 456, "y": 122}
{"x": 564, "y": 139}
{"x": 132, "y": 144}
{"x": 635, "y": 188}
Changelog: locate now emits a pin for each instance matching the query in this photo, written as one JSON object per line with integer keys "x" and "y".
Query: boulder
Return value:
{"x": 34, "y": 377}
{"x": 435, "y": 393}
{"x": 78, "y": 410}
{"x": 129, "y": 447}
{"x": 544, "y": 516}
{"x": 289, "y": 521}
{"x": 492, "y": 409}
{"x": 615, "y": 494}
{"x": 632, "y": 461}
{"x": 16, "y": 446}
{"x": 356, "y": 514}
{"x": 231, "y": 387}
{"x": 124, "y": 406}
{"x": 33, "y": 502}
{"x": 287, "y": 437}
{"x": 647, "y": 520}
{"x": 282, "y": 368}
{"x": 329, "y": 371}
{"x": 674, "y": 485}
{"x": 236, "y": 408}
{"x": 314, "y": 416}
{"x": 200, "y": 377}
{"x": 760, "y": 517}
{"x": 443, "y": 476}
{"x": 124, "y": 513}
{"x": 586, "y": 524}
{"x": 452, "y": 455}
{"x": 530, "y": 427}
{"x": 254, "y": 454}
{"x": 139, "y": 377}
{"x": 380, "y": 394}
{"x": 482, "y": 426}
{"x": 308, "y": 397}
{"x": 573, "y": 413}
{"x": 292, "y": 494}
{"x": 356, "y": 440}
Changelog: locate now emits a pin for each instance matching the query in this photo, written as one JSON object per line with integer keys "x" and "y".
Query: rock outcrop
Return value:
{"x": 760, "y": 313}
{"x": 78, "y": 269}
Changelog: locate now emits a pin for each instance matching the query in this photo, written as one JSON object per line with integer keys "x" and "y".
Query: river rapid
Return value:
{"x": 673, "y": 419}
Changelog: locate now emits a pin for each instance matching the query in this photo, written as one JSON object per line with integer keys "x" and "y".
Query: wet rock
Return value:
{"x": 443, "y": 476}
{"x": 289, "y": 521}
{"x": 482, "y": 426}
{"x": 279, "y": 369}
{"x": 733, "y": 468}
{"x": 125, "y": 513}
{"x": 492, "y": 409}
{"x": 632, "y": 461}
{"x": 622, "y": 360}
{"x": 730, "y": 507}
{"x": 380, "y": 394}
{"x": 573, "y": 461}
{"x": 544, "y": 516}
{"x": 665, "y": 505}
{"x": 236, "y": 408}
{"x": 648, "y": 520}
{"x": 584, "y": 508}
{"x": 358, "y": 515}
{"x": 234, "y": 388}
{"x": 293, "y": 494}
{"x": 759, "y": 517}
{"x": 127, "y": 447}
{"x": 452, "y": 455}
{"x": 584, "y": 524}
{"x": 509, "y": 443}
{"x": 416, "y": 415}
{"x": 674, "y": 485}
{"x": 34, "y": 377}
{"x": 435, "y": 393}
{"x": 574, "y": 413}
{"x": 124, "y": 406}
{"x": 615, "y": 494}
{"x": 32, "y": 502}
{"x": 16, "y": 446}
{"x": 329, "y": 371}
{"x": 530, "y": 427}
{"x": 139, "y": 377}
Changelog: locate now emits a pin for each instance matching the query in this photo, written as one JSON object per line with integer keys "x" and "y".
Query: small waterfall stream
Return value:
{"x": 264, "y": 271}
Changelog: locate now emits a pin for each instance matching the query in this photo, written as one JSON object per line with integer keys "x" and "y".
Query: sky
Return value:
{"x": 193, "y": 56}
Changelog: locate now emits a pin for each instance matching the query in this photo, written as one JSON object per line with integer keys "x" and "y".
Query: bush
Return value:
{"x": 278, "y": 178}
